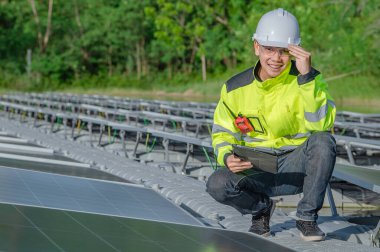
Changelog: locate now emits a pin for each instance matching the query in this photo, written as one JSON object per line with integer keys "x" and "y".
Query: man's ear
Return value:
{"x": 256, "y": 48}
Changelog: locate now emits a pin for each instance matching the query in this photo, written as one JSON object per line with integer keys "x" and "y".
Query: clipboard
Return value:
{"x": 261, "y": 159}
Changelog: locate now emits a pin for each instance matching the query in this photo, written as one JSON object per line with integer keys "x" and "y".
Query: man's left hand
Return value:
{"x": 303, "y": 58}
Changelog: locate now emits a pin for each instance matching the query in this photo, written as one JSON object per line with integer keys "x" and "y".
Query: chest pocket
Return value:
{"x": 257, "y": 121}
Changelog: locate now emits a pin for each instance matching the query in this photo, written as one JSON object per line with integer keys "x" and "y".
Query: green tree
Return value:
{"x": 91, "y": 41}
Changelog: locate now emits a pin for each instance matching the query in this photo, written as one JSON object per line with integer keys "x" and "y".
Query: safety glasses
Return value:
{"x": 271, "y": 51}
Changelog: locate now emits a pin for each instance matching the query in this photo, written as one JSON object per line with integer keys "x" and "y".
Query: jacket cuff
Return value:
{"x": 225, "y": 158}
{"x": 310, "y": 76}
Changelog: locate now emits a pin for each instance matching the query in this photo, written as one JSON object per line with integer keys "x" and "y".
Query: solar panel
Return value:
{"x": 41, "y": 189}
{"x": 59, "y": 169}
{"x": 366, "y": 177}
{"x": 25, "y": 228}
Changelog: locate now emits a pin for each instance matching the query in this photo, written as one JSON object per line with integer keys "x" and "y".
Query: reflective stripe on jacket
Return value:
{"x": 284, "y": 110}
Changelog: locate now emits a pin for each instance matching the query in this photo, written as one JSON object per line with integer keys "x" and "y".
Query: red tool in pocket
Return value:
{"x": 243, "y": 124}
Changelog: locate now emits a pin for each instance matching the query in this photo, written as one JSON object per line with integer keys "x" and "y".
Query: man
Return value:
{"x": 282, "y": 106}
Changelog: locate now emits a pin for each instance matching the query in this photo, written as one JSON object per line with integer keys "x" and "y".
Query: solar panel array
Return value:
{"x": 176, "y": 138}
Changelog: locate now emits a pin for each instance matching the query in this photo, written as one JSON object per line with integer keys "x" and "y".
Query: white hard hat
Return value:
{"x": 277, "y": 28}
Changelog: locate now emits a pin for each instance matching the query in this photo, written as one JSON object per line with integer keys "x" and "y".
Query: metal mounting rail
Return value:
{"x": 366, "y": 177}
{"x": 139, "y": 117}
{"x": 206, "y": 109}
{"x": 136, "y": 116}
{"x": 123, "y": 128}
{"x": 347, "y": 116}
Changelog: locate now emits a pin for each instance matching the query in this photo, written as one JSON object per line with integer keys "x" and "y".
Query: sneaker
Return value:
{"x": 260, "y": 223}
{"x": 310, "y": 230}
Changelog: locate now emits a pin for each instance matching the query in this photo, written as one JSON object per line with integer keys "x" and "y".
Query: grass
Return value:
{"x": 360, "y": 86}
{"x": 358, "y": 93}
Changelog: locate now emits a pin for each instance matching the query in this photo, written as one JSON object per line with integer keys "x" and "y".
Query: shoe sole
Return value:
{"x": 312, "y": 238}
{"x": 266, "y": 234}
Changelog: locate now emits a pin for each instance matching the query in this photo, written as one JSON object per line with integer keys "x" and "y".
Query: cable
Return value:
{"x": 208, "y": 158}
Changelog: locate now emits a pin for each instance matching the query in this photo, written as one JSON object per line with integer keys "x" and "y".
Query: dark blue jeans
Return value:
{"x": 307, "y": 169}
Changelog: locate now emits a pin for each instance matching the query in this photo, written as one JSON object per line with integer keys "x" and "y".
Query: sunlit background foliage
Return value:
{"x": 128, "y": 43}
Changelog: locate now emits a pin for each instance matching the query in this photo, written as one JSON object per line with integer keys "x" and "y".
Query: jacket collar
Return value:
{"x": 271, "y": 82}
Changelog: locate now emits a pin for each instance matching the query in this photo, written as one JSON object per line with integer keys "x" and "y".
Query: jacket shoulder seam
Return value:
{"x": 240, "y": 80}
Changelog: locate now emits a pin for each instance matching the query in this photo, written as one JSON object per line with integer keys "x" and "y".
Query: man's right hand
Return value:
{"x": 235, "y": 164}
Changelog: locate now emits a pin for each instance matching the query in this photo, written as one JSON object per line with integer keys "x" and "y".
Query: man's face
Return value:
{"x": 273, "y": 60}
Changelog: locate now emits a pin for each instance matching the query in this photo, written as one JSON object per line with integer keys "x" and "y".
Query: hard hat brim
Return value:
{"x": 274, "y": 43}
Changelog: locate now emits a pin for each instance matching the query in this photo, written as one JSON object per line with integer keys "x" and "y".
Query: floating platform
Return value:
{"x": 86, "y": 179}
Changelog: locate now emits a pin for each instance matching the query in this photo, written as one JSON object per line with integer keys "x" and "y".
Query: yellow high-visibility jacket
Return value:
{"x": 284, "y": 111}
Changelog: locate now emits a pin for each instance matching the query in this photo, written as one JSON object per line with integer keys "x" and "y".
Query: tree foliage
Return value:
{"x": 76, "y": 39}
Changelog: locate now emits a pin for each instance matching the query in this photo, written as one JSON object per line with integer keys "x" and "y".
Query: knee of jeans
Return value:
{"x": 323, "y": 141}
{"x": 219, "y": 182}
